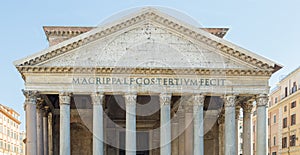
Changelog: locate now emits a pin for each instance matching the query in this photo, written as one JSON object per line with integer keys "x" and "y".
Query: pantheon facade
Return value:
{"x": 147, "y": 83}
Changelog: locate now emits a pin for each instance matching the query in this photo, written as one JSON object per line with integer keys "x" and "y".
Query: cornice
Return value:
{"x": 147, "y": 71}
{"x": 65, "y": 30}
{"x": 158, "y": 18}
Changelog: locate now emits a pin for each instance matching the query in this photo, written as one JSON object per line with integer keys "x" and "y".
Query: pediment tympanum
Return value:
{"x": 147, "y": 46}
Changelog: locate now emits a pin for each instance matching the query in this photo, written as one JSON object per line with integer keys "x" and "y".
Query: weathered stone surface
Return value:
{"x": 147, "y": 45}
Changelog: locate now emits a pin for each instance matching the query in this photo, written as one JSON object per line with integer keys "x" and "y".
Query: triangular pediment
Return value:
{"x": 148, "y": 39}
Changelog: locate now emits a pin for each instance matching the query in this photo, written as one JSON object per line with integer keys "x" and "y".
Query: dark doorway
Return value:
{"x": 142, "y": 142}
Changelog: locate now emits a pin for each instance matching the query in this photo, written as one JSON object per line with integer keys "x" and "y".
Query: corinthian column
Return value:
{"x": 130, "y": 101}
{"x": 221, "y": 121}
{"x": 97, "y": 101}
{"x": 39, "y": 124}
{"x": 189, "y": 128}
{"x": 247, "y": 109}
{"x": 261, "y": 136}
{"x": 230, "y": 128}
{"x": 45, "y": 130}
{"x": 64, "y": 102}
{"x": 165, "y": 124}
{"x": 237, "y": 118}
{"x": 31, "y": 129}
{"x": 198, "y": 124}
{"x": 175, "y": 135}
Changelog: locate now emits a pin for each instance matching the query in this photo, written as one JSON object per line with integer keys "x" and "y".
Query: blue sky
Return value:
{"x": 269, "y": 28}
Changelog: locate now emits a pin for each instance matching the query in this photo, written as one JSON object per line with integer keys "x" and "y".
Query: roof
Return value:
{"x": 8, "y": 113}
{"x": 294, "y": 71}
{"x": 144, "y": 15}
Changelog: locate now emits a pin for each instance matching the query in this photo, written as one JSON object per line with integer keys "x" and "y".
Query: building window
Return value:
{"x": 276, "y": 100}
{"x": 293, "y": 104}
{"x": 253, "y": 128}
{"x": 294, "y": 88}
{"x": 285, "y": 108}
{"x": 274, "y": 118}
{"x": 268, "y": 121}
{"x": 284, "y": 142}
{"x": 293, "y": 140}
{"x": 269, "y": 143}
{"x": 274, "y": 141}
{"x": 273, "y": 153}
{"x": 293, "y": 119}
{"x": 285, "y": 92}
{"x": 284, "y": 123}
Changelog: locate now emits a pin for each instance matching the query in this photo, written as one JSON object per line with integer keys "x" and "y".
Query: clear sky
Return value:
{"x": 270, "y": 28}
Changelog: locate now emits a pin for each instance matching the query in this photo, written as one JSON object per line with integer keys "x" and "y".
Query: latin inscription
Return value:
{"x": 149, "y": 81}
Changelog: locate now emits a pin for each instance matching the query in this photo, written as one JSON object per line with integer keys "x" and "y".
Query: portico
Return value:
{"x": 146, "y": 84}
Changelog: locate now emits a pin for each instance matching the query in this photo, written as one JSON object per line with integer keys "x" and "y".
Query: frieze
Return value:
{"x": 158, "y": 81}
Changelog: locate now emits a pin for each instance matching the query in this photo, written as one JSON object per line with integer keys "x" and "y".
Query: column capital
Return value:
{"x": 165, "y": 98}
{"x": 262, "y": 100}
{"x": 39, "y": 103}
{"x": 65, "y": 98}
{"x": 198, "y": 99}
{"x": 130, "y": 98}
{"x": 97, "y": 98}
{"x": 230, "y": 101}
{"x": 247, "y": 107}
{"x": 30, "y": 96}
{"x": 221, "y": 118}
{"x": 237, "y": 111}
{"x": 46, "y": 111}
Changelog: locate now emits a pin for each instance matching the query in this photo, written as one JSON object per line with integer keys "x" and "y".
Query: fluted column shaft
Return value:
{"x": 50, "y": 133}
{"x": 237, "y": 118}
{"x": 31, "y": 129}
{"x": 247, "y": 134}
{"x": 39, "y": 124}
{"x": 230, "y": 127}
{"x": 189, "y": 129}
{"x": 221, "y": 121}
{"x": 165, "y": 124}
{"x": 198, "y": 124}
{"x": 130, "y": 102}
{"x": 175, "y": 136}
{"x": 97, "y": 101}
{"x": 261, "y": 136}
{"x": 64, "y": 102}
{"x": 45, "y": 131}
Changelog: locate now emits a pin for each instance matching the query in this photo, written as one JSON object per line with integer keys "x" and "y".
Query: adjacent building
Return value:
{"x": 10, "y": 141}
{"x": 284, "y": 117}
